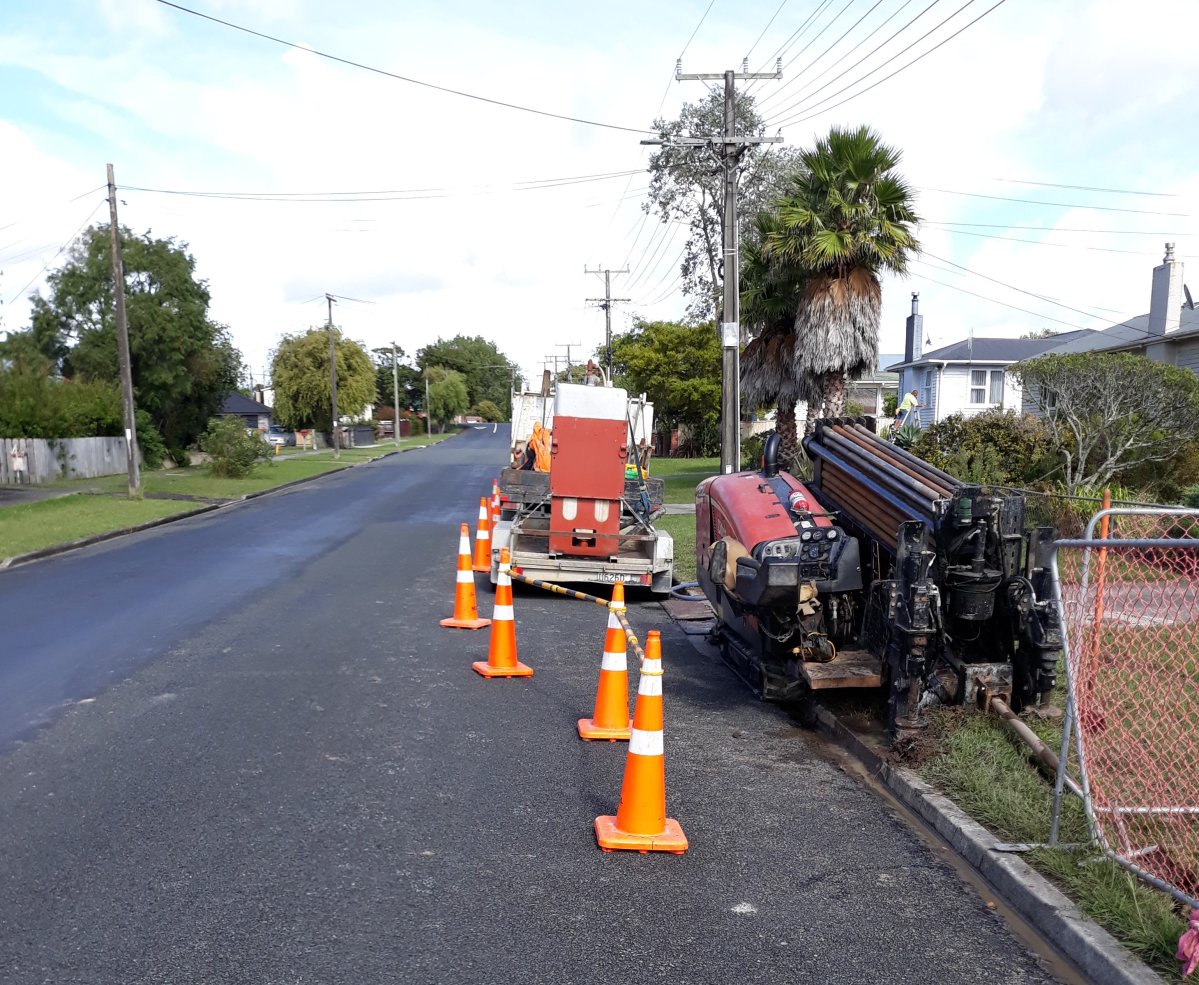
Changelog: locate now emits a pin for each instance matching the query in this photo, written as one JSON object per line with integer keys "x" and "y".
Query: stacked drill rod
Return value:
{"x": 877, "y": 484}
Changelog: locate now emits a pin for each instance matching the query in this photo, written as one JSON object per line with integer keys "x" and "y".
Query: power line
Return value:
{"x": 850, "y": 68}
{"x": 1035, "y": 314}
{"x": 74, "y": 235}
{"x": 1086, "y": 188}
{"x": 782, "y": 49}
{"x": 1012, "y": 287}
{"x": 400, "y": 78}
{"x": 1038, "y": 242}
{"x": 874, "y": 85}
{"x": 765, "y": 29}
{"x": 1064, "y": 205}
{"x": 815, "y": 61}
{"x": 1044, "y": 229}
{"x": 384, "y": 195}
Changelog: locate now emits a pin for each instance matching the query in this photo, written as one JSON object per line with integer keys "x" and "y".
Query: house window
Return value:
{"x": 986, "y": 389}
{"x": 1051, "y": 400}
{"x": 926, "y": 396}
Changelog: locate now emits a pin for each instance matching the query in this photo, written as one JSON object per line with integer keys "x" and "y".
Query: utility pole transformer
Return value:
{"x": 128, "y": 410}
{"x": 332, "y": 377}
{"x": 730, "y": 147}
{"x": 395, "y": 391}
{"x": 606, "y": 303}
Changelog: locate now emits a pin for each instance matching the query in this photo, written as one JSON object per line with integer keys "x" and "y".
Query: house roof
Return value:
{"x": 1127, "y": 334}
{"x": 988, "y": 350}
{"x": 881, "y": 375}
{"x": 235, "y": 403}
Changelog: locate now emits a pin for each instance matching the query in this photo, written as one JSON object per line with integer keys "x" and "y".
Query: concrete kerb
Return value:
{"x": 1092, "y": 949}
{"x": 54, "y": 549}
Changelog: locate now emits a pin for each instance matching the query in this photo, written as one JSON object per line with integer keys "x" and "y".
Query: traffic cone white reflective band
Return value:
{"x": 614, "y": 661}
{"x": 464, "y": 543}
{"x": 650, "y": 685}
{"x": 646, "y": 743}
{"x": 466, "y": 576}
{"x": 482, "y": 534}
{"x": 501, "y": 651}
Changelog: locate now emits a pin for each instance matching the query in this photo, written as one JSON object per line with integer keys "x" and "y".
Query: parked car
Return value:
{"x": 277, "y": 434}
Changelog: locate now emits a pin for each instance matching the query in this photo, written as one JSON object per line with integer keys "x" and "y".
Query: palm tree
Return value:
{"x": 847, "y": 217}
{"x": 770, "y": 294}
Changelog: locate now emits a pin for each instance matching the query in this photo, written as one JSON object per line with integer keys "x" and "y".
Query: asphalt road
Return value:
{"x": 240, "y": 750}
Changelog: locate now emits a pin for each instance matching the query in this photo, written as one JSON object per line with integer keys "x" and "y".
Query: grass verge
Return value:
{"x": 32, "y": 526}
{"x": 682, "y": 529}
{"x": 989, "y": 773}
{"x": 99, "y": 506}
{"x": 681, "y": 475}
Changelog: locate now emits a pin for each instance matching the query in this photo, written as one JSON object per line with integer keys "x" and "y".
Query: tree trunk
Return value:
{"x": 786, "y": 428}
{"x": 834, "y": 393}
{"x": 812, "y": 415}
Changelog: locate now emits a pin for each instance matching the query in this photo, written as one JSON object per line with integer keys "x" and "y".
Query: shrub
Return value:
{"x": 907, "y": 436}
{"x": 234, "y": 451}
{"x": 996, "y": 446}
{"x": 890, "y": 404}
{"x": 153, "y": 448}
{"x": 1190, "y": 496}
{"x": 487, "y": 410}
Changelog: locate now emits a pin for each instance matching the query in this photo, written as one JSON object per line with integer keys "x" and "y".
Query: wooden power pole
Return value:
{"x": 127, "y": 407}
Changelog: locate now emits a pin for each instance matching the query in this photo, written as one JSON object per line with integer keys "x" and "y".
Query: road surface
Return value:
{"x": 239, "y": 749}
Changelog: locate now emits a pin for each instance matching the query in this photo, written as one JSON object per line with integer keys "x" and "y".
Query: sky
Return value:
{"x": 1050, "y": 146}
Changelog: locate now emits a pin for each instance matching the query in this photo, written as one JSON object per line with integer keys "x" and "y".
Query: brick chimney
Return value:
{"x": 913, "y": 345}
{"x": 1165, "y": 302}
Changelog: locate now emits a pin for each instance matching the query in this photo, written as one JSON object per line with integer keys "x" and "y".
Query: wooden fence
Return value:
{"x": 48, "y": 459}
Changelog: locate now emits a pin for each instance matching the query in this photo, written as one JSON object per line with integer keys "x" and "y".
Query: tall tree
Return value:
{"x": 486, "y": 371}
{"x": 677, "y": 365}
{"x": 183, "y": 362}
{"x": 686, "y": 186}
{"x": 412, "y": 388}
{"x": 770, "y": 294}
{"x": 1109, "y": 412}
{"x": 447, "y": 394}
{"x": 846, "y": 217}
{"x": 300, "y": 373}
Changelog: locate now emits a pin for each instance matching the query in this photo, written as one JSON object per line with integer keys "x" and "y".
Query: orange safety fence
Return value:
{"x": 1128, "y": 593}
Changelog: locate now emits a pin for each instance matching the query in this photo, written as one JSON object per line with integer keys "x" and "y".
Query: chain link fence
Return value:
{"x": 1128, "y": 592}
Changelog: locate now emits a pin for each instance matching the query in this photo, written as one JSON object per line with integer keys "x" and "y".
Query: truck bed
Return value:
{"x": 528, "y": 487}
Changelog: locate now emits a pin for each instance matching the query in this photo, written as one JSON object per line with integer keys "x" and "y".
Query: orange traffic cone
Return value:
{"x": 641, "y": 824}
{"x": 610, "y": 719}
{"x": 466, "y": 612}
{"x": 501, "y": 653}
{"x": 495, "y": 503}
{"x": 483, "y": 537}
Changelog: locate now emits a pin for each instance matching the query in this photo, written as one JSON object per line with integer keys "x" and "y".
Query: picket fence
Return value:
{"x": 48, "y": 459}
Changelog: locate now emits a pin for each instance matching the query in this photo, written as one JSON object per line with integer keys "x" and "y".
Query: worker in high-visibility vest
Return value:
{"x": 539, "y": 445}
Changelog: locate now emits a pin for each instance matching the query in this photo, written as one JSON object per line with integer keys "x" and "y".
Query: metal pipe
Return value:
{"x": 882, "y": 456}
{"x": 940, "y": 474}
{"x": 934, "y": 476}
{"x": 1045, "y": 755}
{"x": 880, "y": 471}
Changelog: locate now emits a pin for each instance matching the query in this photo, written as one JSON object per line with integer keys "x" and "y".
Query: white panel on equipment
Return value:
{"x": 601, "y": 403}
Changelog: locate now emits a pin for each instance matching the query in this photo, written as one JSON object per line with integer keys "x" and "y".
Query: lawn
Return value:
{"x": 682, "y": 475}
{"x": 682, "y": 529}
{"x": 31, "y": 526}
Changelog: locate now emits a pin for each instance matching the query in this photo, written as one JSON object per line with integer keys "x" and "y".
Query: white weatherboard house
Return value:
{"x": 966, "y": 377}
